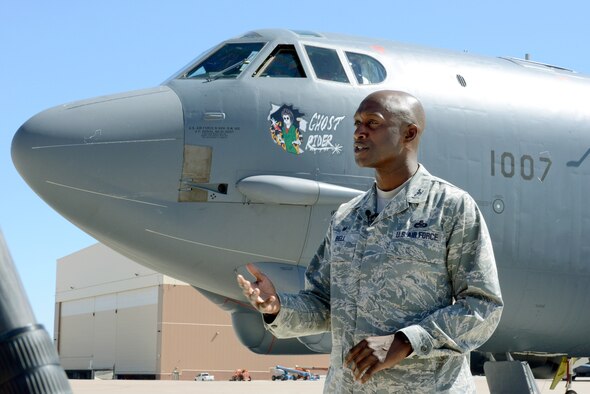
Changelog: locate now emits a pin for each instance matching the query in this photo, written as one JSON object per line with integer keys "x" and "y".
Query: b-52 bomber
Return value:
{"x": 243, "y": 155}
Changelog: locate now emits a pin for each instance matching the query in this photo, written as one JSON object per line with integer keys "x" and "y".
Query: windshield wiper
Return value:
{"x": 219, "y": 74}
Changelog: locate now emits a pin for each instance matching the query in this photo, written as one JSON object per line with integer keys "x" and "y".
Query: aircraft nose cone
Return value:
{"x": 81, "y": 155}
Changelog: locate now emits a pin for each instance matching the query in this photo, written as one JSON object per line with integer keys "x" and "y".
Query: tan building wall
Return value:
{"x": 203, "y": 340}
{"x": 112, "y": 312}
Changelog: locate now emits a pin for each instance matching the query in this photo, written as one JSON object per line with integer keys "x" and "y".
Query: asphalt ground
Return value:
{"x": 581, "y": 386}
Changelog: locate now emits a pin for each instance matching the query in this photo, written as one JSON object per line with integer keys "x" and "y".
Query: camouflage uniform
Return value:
{"x": 424, "y": 266}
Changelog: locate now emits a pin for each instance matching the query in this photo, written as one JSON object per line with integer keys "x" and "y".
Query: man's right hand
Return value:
{"x": 261, "y": 294}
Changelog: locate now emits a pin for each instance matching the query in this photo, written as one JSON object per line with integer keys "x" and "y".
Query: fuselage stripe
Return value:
{"x": 271, "y": 258}
{"x": 105, "y": 143}
{"x": 106, "y": 195}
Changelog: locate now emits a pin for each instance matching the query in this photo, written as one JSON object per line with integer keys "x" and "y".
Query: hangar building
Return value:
{"x": 114, "y": 317}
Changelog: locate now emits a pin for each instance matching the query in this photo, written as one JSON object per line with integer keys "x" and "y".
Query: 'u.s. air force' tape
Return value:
{"x": 417, "y": 235}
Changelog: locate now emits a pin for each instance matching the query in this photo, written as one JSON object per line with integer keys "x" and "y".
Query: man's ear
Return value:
{"x": 411, "y": 132}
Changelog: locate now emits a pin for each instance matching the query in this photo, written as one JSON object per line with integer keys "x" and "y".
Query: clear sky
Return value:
{"x": 53, "y": 52}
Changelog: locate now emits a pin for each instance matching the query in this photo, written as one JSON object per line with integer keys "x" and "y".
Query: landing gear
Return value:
{"x": 565, "y": 370}
{"x": 516, "y": 377}
{"x": 569, "y": 378}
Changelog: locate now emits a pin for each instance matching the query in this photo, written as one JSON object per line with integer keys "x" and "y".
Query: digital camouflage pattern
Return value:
{"x": 424, "y": 266}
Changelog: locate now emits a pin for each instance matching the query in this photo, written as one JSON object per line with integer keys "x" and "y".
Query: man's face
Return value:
{"x": 378, "y": 138}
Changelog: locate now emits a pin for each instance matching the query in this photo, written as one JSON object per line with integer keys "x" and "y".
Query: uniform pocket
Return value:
{"x": 413, "y": 245}
{"x": 343, "y": 245}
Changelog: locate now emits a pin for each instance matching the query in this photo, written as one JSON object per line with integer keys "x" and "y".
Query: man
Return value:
{"x": 405, "y": 278}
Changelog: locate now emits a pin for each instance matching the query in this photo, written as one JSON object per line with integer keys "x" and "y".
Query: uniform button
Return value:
{"x": 424, "y": 348}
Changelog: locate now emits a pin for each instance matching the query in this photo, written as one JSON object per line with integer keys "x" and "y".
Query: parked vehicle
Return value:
{"x": 204, "y": 377}
{"x": 284, "y": 373}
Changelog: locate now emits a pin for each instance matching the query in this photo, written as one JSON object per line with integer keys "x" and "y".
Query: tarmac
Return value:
{"x": 581, "y": 386}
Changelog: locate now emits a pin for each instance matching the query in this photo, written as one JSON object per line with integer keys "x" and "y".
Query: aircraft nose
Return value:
{"x": 126, "y": 146}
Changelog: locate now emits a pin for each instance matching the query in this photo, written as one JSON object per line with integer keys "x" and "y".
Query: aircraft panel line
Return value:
{"x": 220, "y": 248}
{"x": 104, "y": 143}
{"x": 106, "y": 195}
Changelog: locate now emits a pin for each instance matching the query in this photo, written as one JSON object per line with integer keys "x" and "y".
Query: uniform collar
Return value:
{"x": 415, "y": 192}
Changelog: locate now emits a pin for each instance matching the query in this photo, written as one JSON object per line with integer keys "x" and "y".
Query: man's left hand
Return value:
{"x": 374, "y": 354}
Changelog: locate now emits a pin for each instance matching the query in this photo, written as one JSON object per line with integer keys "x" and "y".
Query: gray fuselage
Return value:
{"x": 201, "y": 175}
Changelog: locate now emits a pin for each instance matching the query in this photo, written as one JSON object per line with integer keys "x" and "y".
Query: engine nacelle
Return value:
{"x": 249, "y": 327}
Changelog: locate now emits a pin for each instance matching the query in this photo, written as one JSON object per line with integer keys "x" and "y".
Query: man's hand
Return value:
{"x": 261, "y": 294}
{"x": 375, "y": 354}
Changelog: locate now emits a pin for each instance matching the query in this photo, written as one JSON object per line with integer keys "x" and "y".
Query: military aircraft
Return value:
{"x": 243, "y": 155}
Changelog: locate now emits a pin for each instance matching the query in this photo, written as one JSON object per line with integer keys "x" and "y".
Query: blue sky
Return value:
{"x": 60, "y": 51}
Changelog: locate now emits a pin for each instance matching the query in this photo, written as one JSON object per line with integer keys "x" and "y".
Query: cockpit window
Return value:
{"x": 366, "y": 69}
{"x": 227, "y": 62}
{"x": 326, "y": 64}
{"x": 283, "y": 62}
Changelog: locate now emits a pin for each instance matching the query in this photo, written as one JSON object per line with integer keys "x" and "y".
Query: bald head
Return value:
{"x": 401, "y": 105}
{"x": 388, "y": 126}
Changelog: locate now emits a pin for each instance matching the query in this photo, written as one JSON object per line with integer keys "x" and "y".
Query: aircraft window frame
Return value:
{"x": 276, "y": 65}
{"x": 229, "y": 66}
{"x": 362, "y": 74}
{"x": 327, "y": 73}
